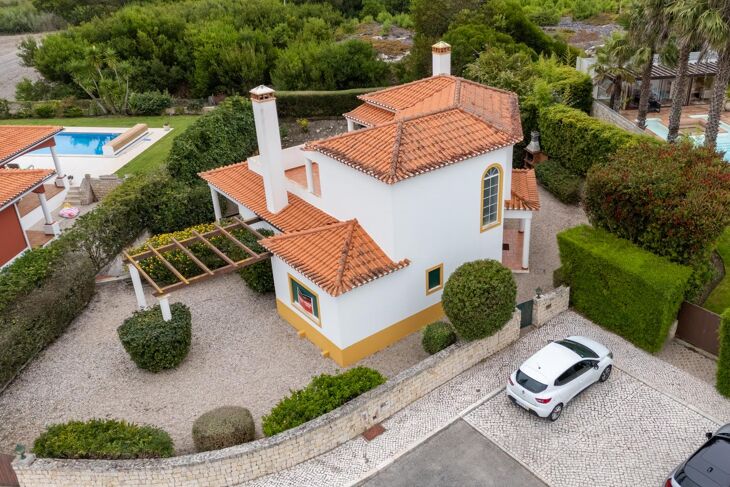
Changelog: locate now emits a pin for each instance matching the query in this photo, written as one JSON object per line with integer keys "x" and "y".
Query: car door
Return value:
{"x": 574, "y": 379}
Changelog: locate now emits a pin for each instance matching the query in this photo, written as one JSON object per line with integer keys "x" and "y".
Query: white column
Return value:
{"x": 216, "y": 203}
{"x": 164, "y": 301}
{"x": 61, "y": 179}
{"x": 350, "y": 125}
{"x": 138, "y": 289}
{"x": 310, "y": 176}
{"x": 522, "y": 225}
{"x": 50, "y": 227}
{"x": 526, "y": 243}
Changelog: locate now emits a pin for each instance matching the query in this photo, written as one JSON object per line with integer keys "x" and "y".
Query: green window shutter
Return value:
{"x": 434, "y": 278}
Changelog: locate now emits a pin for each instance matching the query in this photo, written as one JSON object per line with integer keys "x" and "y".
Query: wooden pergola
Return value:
{"x": 161, "y": 291}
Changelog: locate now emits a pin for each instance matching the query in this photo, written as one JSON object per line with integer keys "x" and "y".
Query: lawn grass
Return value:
{"x": 148, "y": 160}
{"x": 719, "y": 299}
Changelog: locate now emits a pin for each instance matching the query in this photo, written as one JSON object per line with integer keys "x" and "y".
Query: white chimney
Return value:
{"x": 267, "y": 134}
{"x": 441, "y": 58}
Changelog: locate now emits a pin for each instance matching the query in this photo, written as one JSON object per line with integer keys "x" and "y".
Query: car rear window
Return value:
{"x": 529, "y": 383}
{"x": 579, "y": 348}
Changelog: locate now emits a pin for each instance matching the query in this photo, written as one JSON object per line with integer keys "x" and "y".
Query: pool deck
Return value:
{"x": 78, "y": 166}
{"x": 687, "y": 113}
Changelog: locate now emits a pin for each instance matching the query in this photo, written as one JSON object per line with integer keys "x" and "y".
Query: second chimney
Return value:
{"x": 441, "y": 58}
{"x": 267, "y": 135}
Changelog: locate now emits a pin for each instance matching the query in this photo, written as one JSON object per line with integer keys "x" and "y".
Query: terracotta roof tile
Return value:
{"x": 16, "y": 139}
{"x": 406, "y": 95}
{"x": 16, "y": 182}
{"x": 370, "y": 115}
{"x": 402, "y": 149}
{"x": 247, "y": 187}
{"x": 337, "y": 257}
{"x": 524, "y": 191}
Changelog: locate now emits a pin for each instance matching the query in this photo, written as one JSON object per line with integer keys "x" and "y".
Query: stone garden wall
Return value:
{"x": 240, "y": 463}
{"x": 548, "y": 306}
{"x": 603, "y": 112}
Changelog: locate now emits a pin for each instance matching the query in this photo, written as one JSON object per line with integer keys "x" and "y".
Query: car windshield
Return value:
{"x": 529, "y": 383}
{"x": 579, "y": 348}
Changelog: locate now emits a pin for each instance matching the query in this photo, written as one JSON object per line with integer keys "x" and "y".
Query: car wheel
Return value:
{"x": 556, "y": 412}
{"x": 605, "y": 374}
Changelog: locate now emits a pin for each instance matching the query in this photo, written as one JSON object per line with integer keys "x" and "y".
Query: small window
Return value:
{"x": 304, "y": 299}
{"x": 434, "y": 279}
{"x": 579, "y": 348}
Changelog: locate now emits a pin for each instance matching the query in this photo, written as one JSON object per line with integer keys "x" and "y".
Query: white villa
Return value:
{"x": 369, "y": 224}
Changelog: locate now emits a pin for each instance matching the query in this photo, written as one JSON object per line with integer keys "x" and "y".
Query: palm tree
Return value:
{"x": 613, "y": 63}
{"x": 648, "y": 31}
{"x": 715, "y": 24}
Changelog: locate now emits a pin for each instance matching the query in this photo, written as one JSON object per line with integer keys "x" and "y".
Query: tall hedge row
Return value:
{"x": 578, "y": 140}
{"x": 723, "y": 360}
{"x": 318, "y": 103}
{"x": 621, "y": 287}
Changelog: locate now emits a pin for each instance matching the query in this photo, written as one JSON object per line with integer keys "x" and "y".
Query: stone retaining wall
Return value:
{"x": 602, "y": 112}
{"x": 96, "y": 189}
{"x": 238, "y": 464}
{"x": 548, "y": 306}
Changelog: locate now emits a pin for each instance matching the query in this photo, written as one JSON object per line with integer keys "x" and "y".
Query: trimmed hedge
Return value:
{"x": 224, "y": 136}
{"x": 479, "y": 298}
{"x": 107, "y": 439}
{"x": 324, "y": 394}
{"x": 620, "y": 286}
{"x": 258, "y": 277}
{"x": 437, "y": 336}
{"x": 563, "y": 184}
{"x": 307, "y": 104}
{"x": 723, "y": 359}
{"x": 149, "y": 102}
{"x": 223, "y": 427}
{"x": 153, "y": 343}
{"x": 578, "y": 140}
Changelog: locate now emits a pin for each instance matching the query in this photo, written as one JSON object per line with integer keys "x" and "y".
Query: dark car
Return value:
{"x": 707, "y": 467}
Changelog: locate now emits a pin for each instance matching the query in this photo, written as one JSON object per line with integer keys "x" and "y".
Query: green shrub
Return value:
{"x": 259, "y": 276}
{"x": 579, "y": 141}
{"x": 4, "y": 108}
{"x": 437, "y": 336}
{"x": 298, "y": 104}
{"x": 223, "y": 427}
{"x": 224, "y": 136}
{"x": 671, "y": 199}
{"x": 621, "y": 287}
{"x": 479, "y": 298}
{"x": 149, "y": 102}
{"x": 103, "y": 439}
{"x": 73, "y": 111}
{"x": 563, "y": 184}
{"x": 45, "y": 110}
{"x": 155, "y": 344}
{"x": 179, "y": 205}
{"x": 324, "y": 394}
{"x": 723, "y": 359}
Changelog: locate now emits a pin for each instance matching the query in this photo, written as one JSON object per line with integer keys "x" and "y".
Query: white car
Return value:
{"x": 548, "y": 380}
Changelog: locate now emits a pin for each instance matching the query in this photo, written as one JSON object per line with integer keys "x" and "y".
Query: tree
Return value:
{"x": 613, "y": 62}
{"x": 648, "y": 31}
{"x": 711, "y": 19}
{"x": 104, "y": 79}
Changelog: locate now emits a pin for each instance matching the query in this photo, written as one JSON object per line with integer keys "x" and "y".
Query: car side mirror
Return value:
{"x": 595, "y": 366}
{"x": 709, "y": 435}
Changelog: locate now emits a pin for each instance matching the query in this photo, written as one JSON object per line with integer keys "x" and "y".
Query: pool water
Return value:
{"x": 723, "y": 138}
{"x": 80, "y": 143}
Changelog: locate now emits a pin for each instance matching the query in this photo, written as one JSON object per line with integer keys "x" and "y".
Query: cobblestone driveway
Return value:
{"x": 630, "y": 431}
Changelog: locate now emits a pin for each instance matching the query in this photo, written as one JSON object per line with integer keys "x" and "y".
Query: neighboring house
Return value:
{"x": 370, "y": 224}
{"x": 19, "y": 210}
{"x": 702, "y": 72}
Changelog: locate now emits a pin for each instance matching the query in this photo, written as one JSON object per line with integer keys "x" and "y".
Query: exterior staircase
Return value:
{"x": 73, "y": 197}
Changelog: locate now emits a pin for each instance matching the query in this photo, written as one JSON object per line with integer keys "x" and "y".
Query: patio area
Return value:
{"x": 688, "y": 112}
{"x": 242, "y": 354}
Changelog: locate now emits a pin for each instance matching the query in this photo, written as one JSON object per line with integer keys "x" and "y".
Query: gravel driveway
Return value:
{"x": 242, "y": 354}
{"x": 11, "y": 72}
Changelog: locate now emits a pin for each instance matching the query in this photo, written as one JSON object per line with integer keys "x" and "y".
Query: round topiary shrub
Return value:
{"x": 479, "y": 298}
{"x": 103, "y": 439}
{"x": 223, "y": 427}
{"x": 153, "y": 343}
{"x": 437, "y": 336}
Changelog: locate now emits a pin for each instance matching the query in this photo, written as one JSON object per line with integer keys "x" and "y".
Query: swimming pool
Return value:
{"x": 723, "y": 138}
{"x": 80, "y": 143}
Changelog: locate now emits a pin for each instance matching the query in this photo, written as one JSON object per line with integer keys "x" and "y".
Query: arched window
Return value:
{"x": 491, "y": 191}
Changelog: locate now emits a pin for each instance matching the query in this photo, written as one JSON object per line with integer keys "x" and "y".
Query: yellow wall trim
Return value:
{"x": 369, "y": 345}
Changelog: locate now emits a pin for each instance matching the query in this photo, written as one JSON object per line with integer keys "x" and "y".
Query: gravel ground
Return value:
{"x": 553, "y": 217}
{"x": 242, "y": 354}
{"x": 11, "y": 72}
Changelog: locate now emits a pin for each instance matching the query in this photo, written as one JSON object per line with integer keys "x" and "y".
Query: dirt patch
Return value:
{"x": 11, "y": 72}
{"x": 294, "y": 134}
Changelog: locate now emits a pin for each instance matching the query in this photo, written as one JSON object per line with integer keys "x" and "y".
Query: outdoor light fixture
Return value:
{"x": 20, "y": 451}
{"x": 538, "y": 292}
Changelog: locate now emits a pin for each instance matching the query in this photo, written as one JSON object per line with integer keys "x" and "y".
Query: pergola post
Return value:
{"x": 527, "y": 224}
{"x": 50, "y": 227}
{"x": 310, "y": 176}
{"x": 138, "y": 289}
{"x": 61, "y": 179}
{"x": 216, "y": 203}
{"x": 164, "y": 301}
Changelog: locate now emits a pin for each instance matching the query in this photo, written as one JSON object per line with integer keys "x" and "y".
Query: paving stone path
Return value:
{"x": 631, "y": 430}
